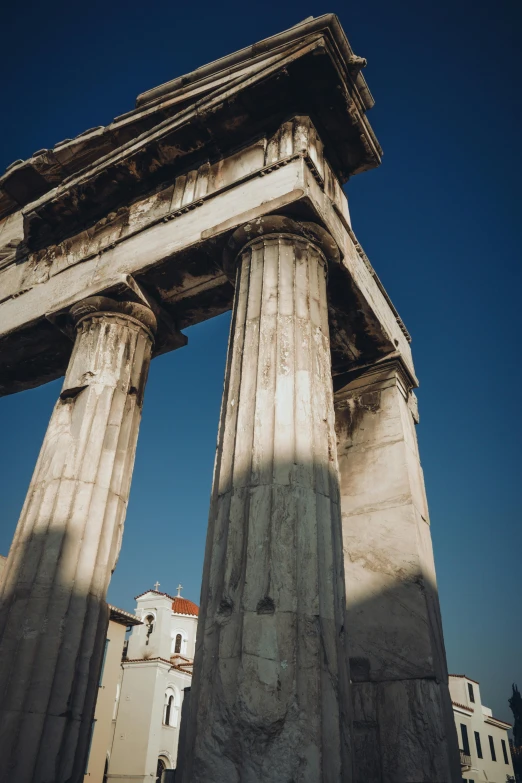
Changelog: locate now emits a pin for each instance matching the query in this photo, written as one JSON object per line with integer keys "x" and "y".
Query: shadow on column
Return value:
{"x": 403, "y": 724}
{"x": 403, "y": 727}
{"x": 47, "y": 700}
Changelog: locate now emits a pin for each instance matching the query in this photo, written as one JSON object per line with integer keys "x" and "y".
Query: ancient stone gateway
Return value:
{"x": 320, "y": 654}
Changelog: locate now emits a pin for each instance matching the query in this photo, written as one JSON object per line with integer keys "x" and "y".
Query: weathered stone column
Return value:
{"x": 404, "y": 730}
{"x": 53, "y": 615}
{"x": 270, "y": 698}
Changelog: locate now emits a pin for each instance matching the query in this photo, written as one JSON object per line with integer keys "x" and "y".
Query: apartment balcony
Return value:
{"x": 465, "y": 760}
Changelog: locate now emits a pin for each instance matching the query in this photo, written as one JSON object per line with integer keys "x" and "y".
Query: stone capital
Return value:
{"x": 383, "y": 371}
{"x": 277, "y": 225}
{"x": 363, "y": 383}
{"x": 104, "y": 305}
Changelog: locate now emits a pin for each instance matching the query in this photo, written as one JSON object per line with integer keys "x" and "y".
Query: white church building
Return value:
{"x": 156, "y": 668}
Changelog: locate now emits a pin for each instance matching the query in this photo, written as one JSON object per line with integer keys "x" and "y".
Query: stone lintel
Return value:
{"x": 167, "y": 245}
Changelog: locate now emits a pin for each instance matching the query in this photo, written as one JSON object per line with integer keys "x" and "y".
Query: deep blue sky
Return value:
{"x": 438, "y": 220}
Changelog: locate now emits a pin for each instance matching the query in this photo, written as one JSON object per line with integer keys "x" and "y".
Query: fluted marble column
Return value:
{"x": 53, "y": 615}
{"x": 270, "y": 698}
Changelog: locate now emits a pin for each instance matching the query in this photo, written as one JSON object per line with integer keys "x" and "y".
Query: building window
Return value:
{"x": 103, "y": 662}
{"x": 478, "y": 744}
{"x": 504, "y": 751}
{"x": 492, "y": 748}
{"x": 171, "y": 708}
{"x": 470, "y": 691}
{"x": 177, "y": 646}
{"x": 168, "y": 710}
{"x": 160, "y": 769}
{"x": 465, "y": 740}
{"x": 149, "y": 625}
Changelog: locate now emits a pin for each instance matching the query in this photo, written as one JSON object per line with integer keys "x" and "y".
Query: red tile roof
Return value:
{"x": 184, "y": 606}
{"x": 179, "y": 605}
{"x": 122, "y": 617}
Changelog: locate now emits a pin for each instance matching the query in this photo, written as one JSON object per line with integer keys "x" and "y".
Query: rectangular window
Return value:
{"x": 492, "y": 748}
{"x": 478, "y": 744}
{"x": 504, "y": 751}
{"x": 470, "y": 691}
{"x": 103, "y": 662}
{"x": 465, "y": 740}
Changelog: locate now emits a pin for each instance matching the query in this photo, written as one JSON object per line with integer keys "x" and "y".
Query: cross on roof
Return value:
{"x": 179, "y": 589}
{"x": 156, "y": 585}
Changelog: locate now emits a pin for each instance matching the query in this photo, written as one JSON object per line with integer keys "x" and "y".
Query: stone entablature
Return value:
{"x": 105, "y": 220}
{"x": 188, "y": 191}
{"x": 145, "y": 236}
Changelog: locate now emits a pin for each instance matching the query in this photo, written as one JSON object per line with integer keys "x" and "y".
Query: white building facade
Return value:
{"x": 485, "y": 756}
{"x": 156, "y": 669}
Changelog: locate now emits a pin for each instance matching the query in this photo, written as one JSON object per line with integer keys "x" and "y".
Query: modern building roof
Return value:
{"x": 465, "y": 676}
{"x": 486, "y": 712}
{"x": 494, "y": 721}
{"x": 122, "y": 617}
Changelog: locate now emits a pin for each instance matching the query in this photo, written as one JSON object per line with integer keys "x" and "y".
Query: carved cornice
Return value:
{"x": 326, "y": 23}
{"x": 208, "y": 113}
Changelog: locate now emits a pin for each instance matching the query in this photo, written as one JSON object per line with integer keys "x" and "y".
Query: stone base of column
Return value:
{"x": 404, "y": 730}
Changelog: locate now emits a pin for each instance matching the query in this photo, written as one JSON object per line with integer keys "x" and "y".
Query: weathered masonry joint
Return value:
{"x": 319, "y": 641}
